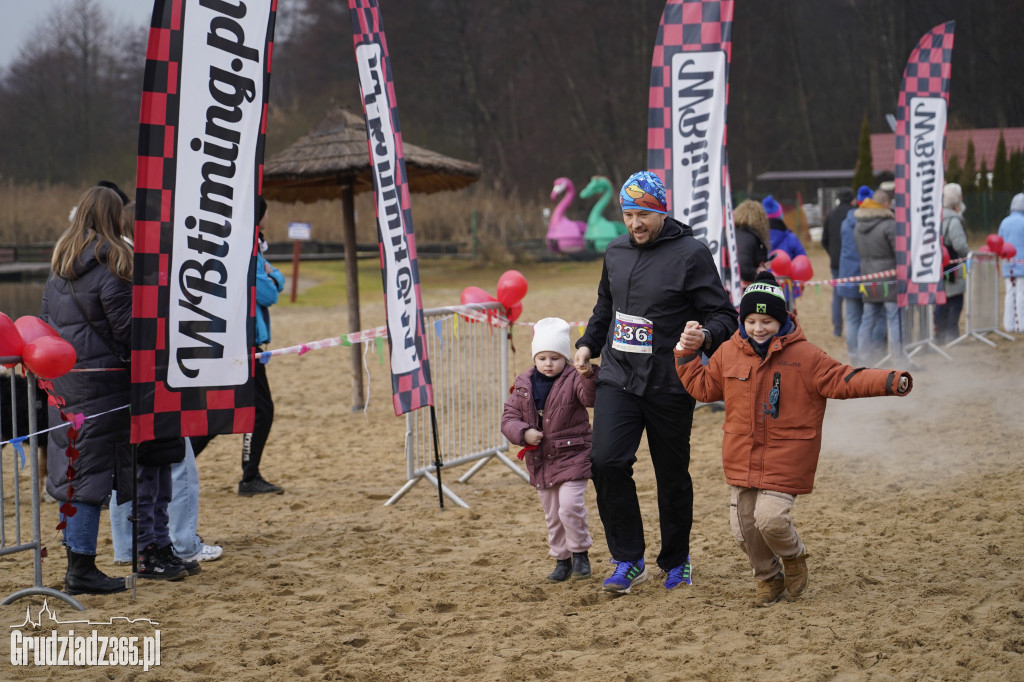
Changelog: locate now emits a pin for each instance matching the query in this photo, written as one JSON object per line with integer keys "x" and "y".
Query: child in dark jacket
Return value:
{"x": 775, "y": 384}
{"x": 547, "y": 413}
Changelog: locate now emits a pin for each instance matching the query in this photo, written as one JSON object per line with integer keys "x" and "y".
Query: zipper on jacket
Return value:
{"x": 772, "y": 406}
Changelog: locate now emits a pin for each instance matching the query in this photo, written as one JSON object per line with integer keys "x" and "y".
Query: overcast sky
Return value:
{"x": 20, "y": 17}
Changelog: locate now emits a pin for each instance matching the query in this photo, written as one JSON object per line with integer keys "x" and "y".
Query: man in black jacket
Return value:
{"x": 654, "y": 279}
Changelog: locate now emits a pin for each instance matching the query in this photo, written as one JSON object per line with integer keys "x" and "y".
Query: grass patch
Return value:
{"x": 322, "y": 283}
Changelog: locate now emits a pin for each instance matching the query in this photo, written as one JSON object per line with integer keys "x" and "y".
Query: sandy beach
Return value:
{"x": 915, "y": 531}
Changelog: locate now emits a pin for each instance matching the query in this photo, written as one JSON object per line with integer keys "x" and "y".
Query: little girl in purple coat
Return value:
{"x": 547, "y": 413}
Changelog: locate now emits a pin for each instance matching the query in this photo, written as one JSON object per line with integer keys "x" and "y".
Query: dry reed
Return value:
{"x": 480, "y": 220}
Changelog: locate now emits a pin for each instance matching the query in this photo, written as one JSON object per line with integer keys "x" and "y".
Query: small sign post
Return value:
{"x": 298, "y": 233}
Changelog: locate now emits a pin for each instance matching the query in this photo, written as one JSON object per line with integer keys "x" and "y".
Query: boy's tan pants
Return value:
{"x": 762, "y": 526}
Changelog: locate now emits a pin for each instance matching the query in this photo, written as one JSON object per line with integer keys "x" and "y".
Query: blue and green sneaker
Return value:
{"x": 680, "y": 575}
{"x": 627, "y": 574}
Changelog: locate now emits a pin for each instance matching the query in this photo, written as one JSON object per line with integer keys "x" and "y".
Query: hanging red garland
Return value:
{"x": 67, "y": 510}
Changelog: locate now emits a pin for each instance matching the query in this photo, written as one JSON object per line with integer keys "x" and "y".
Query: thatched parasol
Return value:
{"x": 332, "y": 162}
{"x": 334, "y": 155}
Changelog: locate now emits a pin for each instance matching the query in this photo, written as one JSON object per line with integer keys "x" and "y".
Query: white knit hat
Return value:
{"x": 552, "y": 334}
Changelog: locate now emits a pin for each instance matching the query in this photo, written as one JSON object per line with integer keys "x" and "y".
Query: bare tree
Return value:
{"x": 69, "y": 102}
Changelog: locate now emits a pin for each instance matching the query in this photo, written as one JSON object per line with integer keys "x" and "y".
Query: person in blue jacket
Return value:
{"x": 782, "y": 237}
{"x": 849, "y": 266}
{"x": 269, "y": 283}
{"x": 1012, "y": 232}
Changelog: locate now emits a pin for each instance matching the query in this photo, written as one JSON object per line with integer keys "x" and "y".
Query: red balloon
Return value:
{"x": 983, "y": 249}
{"x": 512, "y": 287}
{"x": 945, "y": 256}
{"x": 11, "y": 342}
{"x": 475, "y": 295}
{"x": 801, "y": 269}
{"x": 49, "y": 357}
{"x": 514, "y": 311}
{"x": 1009, "y": 251}
{"x": 779, "y": 262}
{"x": 994, "y": 243}
{"x": 31, "y": 328}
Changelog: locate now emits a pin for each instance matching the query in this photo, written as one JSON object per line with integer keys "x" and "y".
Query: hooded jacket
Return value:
{"x": 954, "y": 236}
{"x": 784, "y": 239}
{"x": 1011, "y": 229}
{"x": 875, "y": 235}
{"x": 776, "y": 451}
{"x": 268, "y": 286}
{"x": 670, "y": 281}
{"x": 564, "y": 452}
{"x": 103, "y": 440}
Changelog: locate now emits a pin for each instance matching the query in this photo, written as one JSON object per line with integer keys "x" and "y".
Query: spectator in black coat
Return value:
{"x": 752, "y": 238}
{"x": 88, "y": 301}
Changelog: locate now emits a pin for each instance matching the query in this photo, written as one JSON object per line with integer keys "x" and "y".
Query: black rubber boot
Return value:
{"x": 561, "y": 572}
{"x": 83, "y": 577}
{"x": 580, "y": 566}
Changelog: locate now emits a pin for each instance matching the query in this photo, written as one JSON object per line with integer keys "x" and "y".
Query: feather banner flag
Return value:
{"x": 686, "y": 126}
{"x": 202, "y": 127}
{"x": 919, "y": 168}
{"x": 410, "y": 368}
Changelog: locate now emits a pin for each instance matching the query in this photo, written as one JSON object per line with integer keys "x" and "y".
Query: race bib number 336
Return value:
{"x": 633, "y": 334}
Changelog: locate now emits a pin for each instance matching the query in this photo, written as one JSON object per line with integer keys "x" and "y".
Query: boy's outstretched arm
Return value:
{"x": 838, "y": 381}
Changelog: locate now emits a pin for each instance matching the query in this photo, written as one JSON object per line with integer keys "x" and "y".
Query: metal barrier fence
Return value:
{"x": 20, "y": 403}
{"x": 919, "y": 330}
{"x": 981, "y": 301}
{"x": 469, "y": 365}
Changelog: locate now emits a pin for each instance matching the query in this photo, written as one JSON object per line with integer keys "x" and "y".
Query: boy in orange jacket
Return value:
{"x": 775, "y": 384}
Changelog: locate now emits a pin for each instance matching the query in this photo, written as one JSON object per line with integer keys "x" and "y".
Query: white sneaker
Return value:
{"x": 206, "y": 553}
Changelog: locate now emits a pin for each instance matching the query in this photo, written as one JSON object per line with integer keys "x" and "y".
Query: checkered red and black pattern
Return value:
{"x": 158, "y": 410}
{"x": 411, "y": 390}
{"x": 687, "y": 26}
{"x": 927, "y": 75}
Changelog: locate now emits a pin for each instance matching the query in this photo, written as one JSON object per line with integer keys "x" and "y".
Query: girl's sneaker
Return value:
{"x": 206, "y": 553}
{"x": 153, "y": 565}
{"x": 192, "y": 567}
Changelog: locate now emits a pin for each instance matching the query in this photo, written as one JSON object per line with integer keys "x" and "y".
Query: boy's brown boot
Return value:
{"x": 769, "y": 591}
{"x": 796, "y": 574}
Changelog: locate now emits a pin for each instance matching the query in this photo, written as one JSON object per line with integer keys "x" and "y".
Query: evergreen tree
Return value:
{"x": 864, "y": 174}
{"x": 954, "y": 173}
{"x": 1017, "y": 171}
{"x": 970, "y": 182}
{"x": 1001, "y": 167}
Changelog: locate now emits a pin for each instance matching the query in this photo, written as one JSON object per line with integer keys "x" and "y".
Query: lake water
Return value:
{"x": 21, "y": 298}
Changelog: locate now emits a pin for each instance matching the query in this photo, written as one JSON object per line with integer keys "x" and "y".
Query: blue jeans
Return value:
{"x": 878, "y": 320}
{"x": 854, "y": 312}
{"x": 837, "y": 308}
{"x": 182, "y": 512}
{"x": 121, "y": 529}
{"x": 82, "y": 529}
{"x": 184, "y": 507}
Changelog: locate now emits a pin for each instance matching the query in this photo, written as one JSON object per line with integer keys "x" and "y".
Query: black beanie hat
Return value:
{"x": 110, "y": 185}
{"x": 764, "y": 296}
